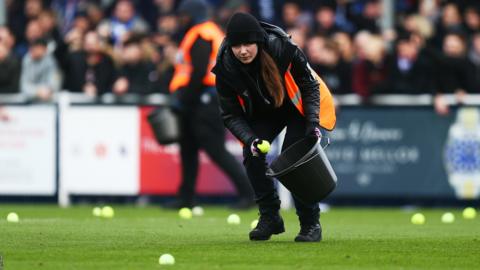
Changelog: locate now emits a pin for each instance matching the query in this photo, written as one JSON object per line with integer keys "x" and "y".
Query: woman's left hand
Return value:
{"x": 313, "y": 130}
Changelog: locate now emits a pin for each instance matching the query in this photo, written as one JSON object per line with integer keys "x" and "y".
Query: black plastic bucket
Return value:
{"x": 165, "y": 125}
{"x": 304, "y": 169}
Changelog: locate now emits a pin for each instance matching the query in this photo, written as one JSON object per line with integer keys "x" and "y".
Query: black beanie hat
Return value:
{"x": 244, "y": 28}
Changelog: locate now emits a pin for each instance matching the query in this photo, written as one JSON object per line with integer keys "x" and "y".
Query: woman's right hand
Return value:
{"x": 259, "y": 147}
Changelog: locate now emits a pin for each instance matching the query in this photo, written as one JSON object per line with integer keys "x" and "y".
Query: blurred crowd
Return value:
{"x": 129, "y": 46}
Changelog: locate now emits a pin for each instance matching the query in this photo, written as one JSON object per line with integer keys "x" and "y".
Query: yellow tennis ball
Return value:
{"x": 108, "y": 212}
{"x": 233, "y": 219}
{"x": 418, "y": 219}
{"x": 448, "y": 218}
{"x": 264, "y": 146}
{"x": 185, "y": 213}
{"x": 469, "y": 213}
{"x": 198, "y": 211}
{"x": 97, "y": 211}
{"x": 13, "y": 217}
{"x": 166, "y": 259}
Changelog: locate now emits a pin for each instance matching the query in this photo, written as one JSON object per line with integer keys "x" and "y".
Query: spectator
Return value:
{"x": 429, "y": 9}
{"x": 33, "y": 8}
{"x": 124, "y": 21}
{"x": 66, "y": 11}
{"x": 456, "y": 73}
{"x": 451, "y": 21}
{"x": 33, "y": 32}
{"x": 409, "y": 71}
{"x": 325, "y": 20}
{"x": 10, "y": 70}
{"x": 290, "y": 14}
{"x": 167, "y": 29}
{"x": 369, "y": 17}
{"x": 326, "y": 60}
{"x": 6, "y": 37}
{"x": 56, "y": 45}
{"x": 94, "y": 15}
{"x": 74, "y": 38}
{"x": 472, "y": 20}
{"x": 345, "y": 46}
{"x": 457, "y": 69}
{"x": 165, "y": 6}
{"x": 156, "y": 9}
{"x": 90, "y": 70}
{"x": 422, "y": 31}
{"x": 341, "y": 16}
{"x": 415, "y": 23}
{"x": 165, "y": 68}
{"x": 16, "y": 20}
{"x": 137, "y": 74}
{"x": 40, "y": 77}
{"x": 369, "y": 70}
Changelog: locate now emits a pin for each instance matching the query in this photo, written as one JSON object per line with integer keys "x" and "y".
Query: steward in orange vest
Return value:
{"x": 205, "y": 32}
{"x": 265, "y": 84}
{"x": 193, "y": 87}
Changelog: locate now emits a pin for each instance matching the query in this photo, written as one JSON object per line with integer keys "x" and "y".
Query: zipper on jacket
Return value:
{"x": 260, "y": 92}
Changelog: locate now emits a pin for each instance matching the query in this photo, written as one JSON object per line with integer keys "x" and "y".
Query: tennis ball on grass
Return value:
{"x": 185, "y": 213}
{"x": 448, "y": 217}
{"x": 166, "y": 259}
{"x": 264, "y": 147}
{"x": 97, "y": 211}
{"x": 418, "y": 219}
{"x": 469, "y": 213}
{"x": 233, "y": 219}
{"x": 13, "y": 217}
{"x": 108, "y": 212}
{"x": 198, "y": 211}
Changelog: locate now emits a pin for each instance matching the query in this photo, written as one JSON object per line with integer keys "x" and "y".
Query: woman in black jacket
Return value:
{"x": 265, "y": 84}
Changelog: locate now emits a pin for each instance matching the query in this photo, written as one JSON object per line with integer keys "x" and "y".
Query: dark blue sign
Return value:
{"x": 406, "y": 152}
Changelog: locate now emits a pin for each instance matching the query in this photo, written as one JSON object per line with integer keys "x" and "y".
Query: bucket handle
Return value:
{"x": 270, "y": 172}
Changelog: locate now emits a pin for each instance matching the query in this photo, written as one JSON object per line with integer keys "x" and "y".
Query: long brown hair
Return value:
{"x": 271, "y": 77}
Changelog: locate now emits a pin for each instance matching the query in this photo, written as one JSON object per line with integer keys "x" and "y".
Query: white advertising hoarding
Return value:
{"x": 27, "y": 151}
{"x": 99, "y": 150}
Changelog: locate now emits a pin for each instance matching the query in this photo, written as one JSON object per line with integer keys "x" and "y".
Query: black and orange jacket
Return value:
{"x": 305, "y": 89}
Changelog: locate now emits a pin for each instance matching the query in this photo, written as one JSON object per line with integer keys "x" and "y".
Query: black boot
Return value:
{"x": 267, "y": 225}
{"x": 309, "y": 233}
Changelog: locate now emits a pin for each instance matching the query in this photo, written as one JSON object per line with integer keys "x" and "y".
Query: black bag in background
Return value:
{"x": 165, "y": 125}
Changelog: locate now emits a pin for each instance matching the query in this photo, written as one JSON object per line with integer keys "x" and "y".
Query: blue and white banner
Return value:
{"x": 406, "y": 152}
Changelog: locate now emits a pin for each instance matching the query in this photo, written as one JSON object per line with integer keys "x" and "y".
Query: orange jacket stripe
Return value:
{"x": 293, "y": 91}
{"x": 208, "y": 31}
{"x": 327, "y": 107}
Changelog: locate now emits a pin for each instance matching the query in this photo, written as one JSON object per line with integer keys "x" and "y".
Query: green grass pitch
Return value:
{"x": 48, "y": 237}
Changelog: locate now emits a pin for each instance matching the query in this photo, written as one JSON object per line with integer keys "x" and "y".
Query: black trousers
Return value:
{"x": 267, "y": 127}
{"x": 202, "y": 128}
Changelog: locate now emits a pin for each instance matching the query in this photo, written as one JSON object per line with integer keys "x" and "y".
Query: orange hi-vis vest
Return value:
{"x": 208, "y": 31}
{"x": 327, "y": 115}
